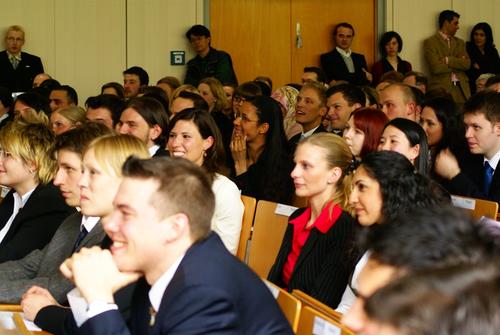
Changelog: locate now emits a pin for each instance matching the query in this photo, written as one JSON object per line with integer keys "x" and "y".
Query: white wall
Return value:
{"x": 86, "y": 43}
{"x": 415, "y": 20}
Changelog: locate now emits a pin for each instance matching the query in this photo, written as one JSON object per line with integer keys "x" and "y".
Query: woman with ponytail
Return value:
{"x": 315, "y": 255}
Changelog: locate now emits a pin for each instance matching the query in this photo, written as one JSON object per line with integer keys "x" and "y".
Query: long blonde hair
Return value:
{"x": 337, "y": 154}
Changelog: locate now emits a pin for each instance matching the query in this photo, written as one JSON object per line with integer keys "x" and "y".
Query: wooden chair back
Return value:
{"x": 313, "y": 322}
{"x": 307, "y": 300}
{"x": 249, "y": 204}
{"x": 289, "y": 305}
{"x": 268, "y": 230}
{"x": 476, "y": 207}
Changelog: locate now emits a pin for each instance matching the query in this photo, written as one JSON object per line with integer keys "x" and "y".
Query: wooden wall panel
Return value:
{"x": 319, "y": 17}
{"x": 257, "y": 35}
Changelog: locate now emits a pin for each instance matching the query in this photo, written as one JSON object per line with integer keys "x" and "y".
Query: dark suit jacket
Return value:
{"x": 211, "y": 292}
{"x": 469, "y": 182}
{"x": 324, "y": 264}
{"x": 334, "y": 66}
{"x": 161, "y": 152}
{"x": 34, "y": 224}
{"x": 296, "y": 138}
{"x": 20, "y": 79}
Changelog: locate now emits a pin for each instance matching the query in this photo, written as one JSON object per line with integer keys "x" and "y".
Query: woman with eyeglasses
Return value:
{"x": 34, "y": 208}
{"x": 260, "y": 151}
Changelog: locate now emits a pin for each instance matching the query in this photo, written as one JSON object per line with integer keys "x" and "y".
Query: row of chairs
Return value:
{"x": 306, "y": 315}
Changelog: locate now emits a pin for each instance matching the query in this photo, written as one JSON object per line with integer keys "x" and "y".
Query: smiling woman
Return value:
{"x": 315, "y": 255}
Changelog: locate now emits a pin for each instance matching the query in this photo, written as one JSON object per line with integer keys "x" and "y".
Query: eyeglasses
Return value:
{"x": 14, "y": 39}
{"x": 4, "y": 154}
{"x": 243, "y": 117}
{"x": 239, "y": 99}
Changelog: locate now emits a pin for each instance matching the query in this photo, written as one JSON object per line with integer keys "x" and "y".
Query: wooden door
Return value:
{"x": 260, "y": 35}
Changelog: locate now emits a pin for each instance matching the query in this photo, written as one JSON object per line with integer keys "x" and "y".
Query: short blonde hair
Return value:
{"x": 31, "y": 142}
{"x": 14, "y": 28}
{"x": 30, "y": 115}
{"x": 74, "y": 114}
{"x": 111, "y": 151}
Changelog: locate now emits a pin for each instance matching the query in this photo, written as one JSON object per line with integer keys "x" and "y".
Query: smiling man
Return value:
{"x": 17, "y": 68}
{"x": 160, "y": 229}
{"x": 480, "y": 178}
{"x": 341, "y": 101}
{"x": 209, "y": 62}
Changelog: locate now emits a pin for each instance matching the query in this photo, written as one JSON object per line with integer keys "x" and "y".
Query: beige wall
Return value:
{"x": 85, "y": 43}
{"x": 417, "y": 20}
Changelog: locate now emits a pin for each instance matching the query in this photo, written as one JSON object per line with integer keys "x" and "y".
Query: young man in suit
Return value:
{"x": 40, "y": 266}
{"x": 343, "y": 64}
{"x": 481, "y": 177}
{"x": 447, "y": 58}
{"x": 160, "y": 229}
{"x": 17, "y": 68}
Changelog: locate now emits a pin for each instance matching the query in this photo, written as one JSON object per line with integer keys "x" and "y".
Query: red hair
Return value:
{"x": 371, "y": 122}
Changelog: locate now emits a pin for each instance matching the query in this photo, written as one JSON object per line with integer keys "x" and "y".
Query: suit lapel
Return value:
{"x": 308, "y": 247}
{"x": 94, "y": 237}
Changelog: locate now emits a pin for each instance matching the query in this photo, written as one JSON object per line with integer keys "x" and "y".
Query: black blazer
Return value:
{"x": 469, "y": 182}
{"x": 211, "y": 292}
{"x": 34, "y": 224}
{"x": 296, "y": 138}
{"x": 334, "y": 66}
{"x": 161, "y": 152}
{"x": 20, "y": 79}
{"x": 324, "y": 264}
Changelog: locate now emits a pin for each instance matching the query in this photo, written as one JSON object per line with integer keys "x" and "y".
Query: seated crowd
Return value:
{"x": 129, "y": 210}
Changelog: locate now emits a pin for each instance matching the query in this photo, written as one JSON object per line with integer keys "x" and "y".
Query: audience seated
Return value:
{"x": 363, "y": 131}
{"x": 195, "y": 136}
{"x": 33, "y": 209}
{"x": 422, "y": 238}
{"x": 194, "y": 284}
{"x": 481, "y": 177}
{"x": 416, "y": 79}
{"x": 168, "y": 84}
{"x": 260, "y": 151}
{"x": 67, "y": 118}
{"x": 40, "y": 267}
{"x": 113, "y": 88}
{"x": 187, "y": 99}
{"x": 384, "y": 185}
{"x": 40, "y": 78}
{"x": 266, "y": 80}
{"x": 493, "y": 83}
{"x": 409, "y": 139}
{"x": 342, "y": 99}
{"x": 315, "y": 74}
{"x": 32, "y": 100}
{"x": 244, "y": 91}
{"x": 62, "y": 96}
{"x": 133, "y": 79}
{"x": 315, "y": 255}
{"x": 399, "y": 100}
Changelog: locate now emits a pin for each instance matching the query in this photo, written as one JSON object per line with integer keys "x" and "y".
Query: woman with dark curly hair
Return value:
{"x": 385, "y": 184}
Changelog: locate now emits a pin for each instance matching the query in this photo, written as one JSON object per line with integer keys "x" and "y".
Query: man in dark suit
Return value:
{"x": 481, "y": 177}
{"x": 17, "y": 68}
{"x": 343, "y": 64}
{"x": 40, "y": 267}
{"x": 341, "y": 101}
{"x": 309, "y": 111}
{"x": 160, "y": 229}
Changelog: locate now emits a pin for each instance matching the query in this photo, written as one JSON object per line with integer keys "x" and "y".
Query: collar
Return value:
{"x": 158, "y": 289}
{"x": 21, "y": 200}
{"x": 3, "y": 117}
{"x": 18, "y": 56}
{"x": 444, "y": 36}
{"x": 89, "y": 222}
{"x": 343, "y": 52}
{"x": 153, "y": 149}
{"x": 310, "y": 132}
{"x": 324, "y": 221}
{"x": 493, "y": 161}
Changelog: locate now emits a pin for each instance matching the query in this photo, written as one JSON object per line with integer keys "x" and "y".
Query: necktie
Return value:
{"x": 14, "y": 62}
{"x": 79, "y": 239}
{"x": 488, "y": 177}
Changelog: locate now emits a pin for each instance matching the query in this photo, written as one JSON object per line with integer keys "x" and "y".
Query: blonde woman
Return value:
{"x": 67, "y": 118}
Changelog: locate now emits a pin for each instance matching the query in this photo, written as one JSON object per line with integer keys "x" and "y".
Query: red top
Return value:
{"x": 323, "y": 224}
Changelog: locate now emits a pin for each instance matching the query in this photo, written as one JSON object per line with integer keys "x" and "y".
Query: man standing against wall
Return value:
{"x": 447, "y": 58}
{"x": 343, "y": 64}
{"x": 17, "y": 68}
{"x": 209, "y": 62}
